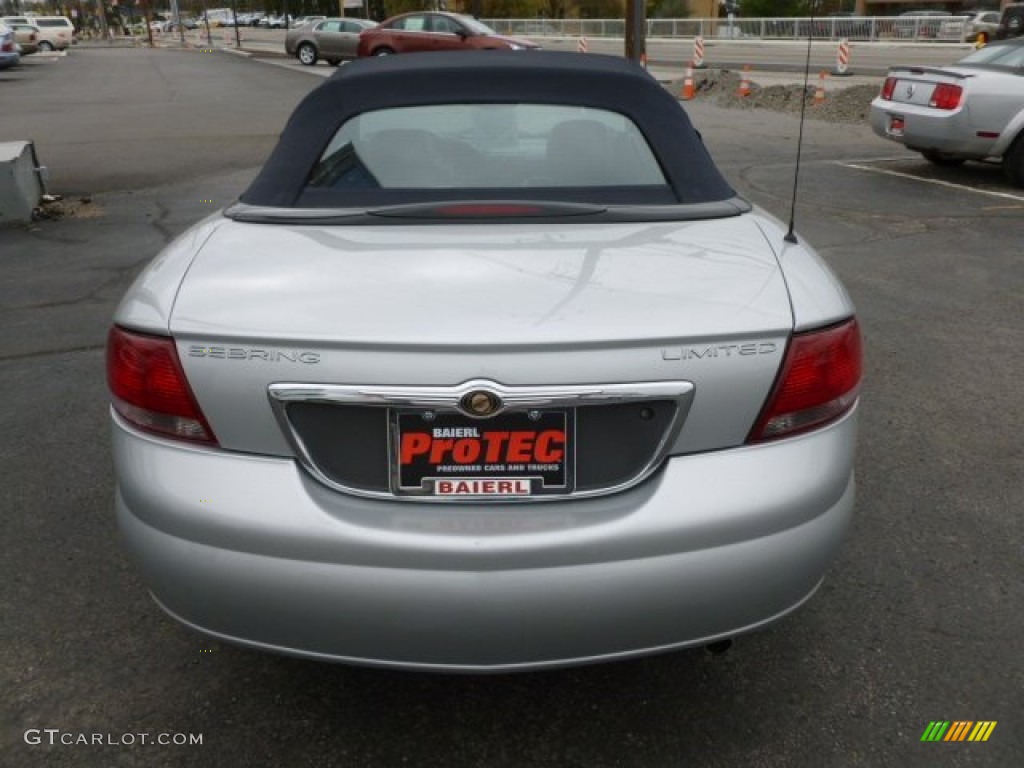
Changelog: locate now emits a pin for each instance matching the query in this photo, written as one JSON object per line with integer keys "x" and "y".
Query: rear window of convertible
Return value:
{"x": 488, "y": 146}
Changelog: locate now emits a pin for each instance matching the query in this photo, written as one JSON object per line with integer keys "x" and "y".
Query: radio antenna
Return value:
{"x": 791, "y": 235}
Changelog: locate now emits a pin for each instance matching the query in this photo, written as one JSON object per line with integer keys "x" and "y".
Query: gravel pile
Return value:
{"x": 841, "y": 105}
{"x": 53, "y": 207}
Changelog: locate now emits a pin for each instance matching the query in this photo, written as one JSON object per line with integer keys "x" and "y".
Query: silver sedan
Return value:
{"x": 971, "y": 110}
{"x": 482, "y": 378}
{"x": 334, "y": 40}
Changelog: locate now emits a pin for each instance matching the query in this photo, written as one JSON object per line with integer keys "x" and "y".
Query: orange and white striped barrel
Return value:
{"x": 698, "y": 51}
{"x": 581, "y": 45}
{"x": 843, "y": 58}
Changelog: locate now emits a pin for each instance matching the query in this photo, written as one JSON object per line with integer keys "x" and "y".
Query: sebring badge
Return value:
{"x": 480, "y": 403}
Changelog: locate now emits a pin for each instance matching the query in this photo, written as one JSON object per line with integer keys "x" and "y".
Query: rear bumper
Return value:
{"x": 251, "y": 550}
{"x": 930, "y": 129}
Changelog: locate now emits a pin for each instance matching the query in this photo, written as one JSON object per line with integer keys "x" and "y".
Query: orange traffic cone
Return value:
{"x": 819, "y": 92}
{"x": 744, "y": 90}
{"x": 688, "y": 89}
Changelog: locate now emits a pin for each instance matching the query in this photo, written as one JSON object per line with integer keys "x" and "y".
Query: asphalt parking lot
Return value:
{"x": 919, "y": 620}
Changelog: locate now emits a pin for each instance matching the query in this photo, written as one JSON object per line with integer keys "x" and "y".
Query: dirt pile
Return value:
{"x": 55, "y": 207}
{"x": 841, "y": 105}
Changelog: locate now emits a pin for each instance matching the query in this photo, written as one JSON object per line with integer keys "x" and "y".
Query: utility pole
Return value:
{"x": 636, "y": 30}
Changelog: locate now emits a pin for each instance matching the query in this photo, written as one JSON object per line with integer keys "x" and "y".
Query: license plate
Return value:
{"x": 896, "y": 125}
{"x": 510, "y": 455}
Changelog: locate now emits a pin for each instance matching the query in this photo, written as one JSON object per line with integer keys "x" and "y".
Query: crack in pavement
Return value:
{"x": 50, "y": 352}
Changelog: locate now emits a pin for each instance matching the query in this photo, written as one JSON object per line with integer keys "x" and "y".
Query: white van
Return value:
{"x": 56, "y": 33}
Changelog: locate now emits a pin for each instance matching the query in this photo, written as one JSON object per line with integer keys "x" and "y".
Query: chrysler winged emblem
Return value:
{"x": 480, "y": 403}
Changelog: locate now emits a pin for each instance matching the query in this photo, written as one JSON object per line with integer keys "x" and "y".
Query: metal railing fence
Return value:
{"x": 932, "y": 29}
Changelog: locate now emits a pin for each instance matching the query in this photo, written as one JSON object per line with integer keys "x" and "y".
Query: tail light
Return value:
{"x": 946, "y": 96}
{"x": 818, "y": 383}
{"x": 149, "y": 387}
{"x": 888, "y": 87}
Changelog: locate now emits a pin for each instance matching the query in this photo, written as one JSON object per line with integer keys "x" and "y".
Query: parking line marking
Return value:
{"x": 291, "y": 65}
{"x": 938, "y": 182}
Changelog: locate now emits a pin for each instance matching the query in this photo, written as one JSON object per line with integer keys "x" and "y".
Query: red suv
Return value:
{"x": 434, "y": 31}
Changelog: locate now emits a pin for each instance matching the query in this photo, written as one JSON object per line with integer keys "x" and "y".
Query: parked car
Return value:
{"x": 56, "y": 32}
{"x": 332, "y": 39}
{"x": 971, "y": 110}
{"x": 435, "y": 31}
{"x": 27, "y": 36}
{"x": 918, "y": 24}
{"x": 489, "y": 369}
{"x": 979, "y": 26}
{"x": 1011, "y": 23}
{"x": 172, "y": 25}
{"x": 9, "y": 56}
{"x": 301, "y": 21}
{"x": 275, "y": 22}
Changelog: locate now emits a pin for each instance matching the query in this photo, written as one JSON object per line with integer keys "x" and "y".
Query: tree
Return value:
{"x": 668, "y": 9}
{"x": 754, "y": 9}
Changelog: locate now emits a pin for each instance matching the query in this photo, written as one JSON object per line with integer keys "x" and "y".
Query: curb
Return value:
{"x": 262, "y": 53}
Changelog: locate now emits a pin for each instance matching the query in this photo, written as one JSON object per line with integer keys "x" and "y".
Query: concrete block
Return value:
{"x": 21, "y": 181}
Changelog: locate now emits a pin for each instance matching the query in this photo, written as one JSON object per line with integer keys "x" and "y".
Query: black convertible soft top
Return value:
{"x": 501, "y": 77}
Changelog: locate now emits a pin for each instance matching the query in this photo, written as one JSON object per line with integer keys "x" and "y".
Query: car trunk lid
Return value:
{"x": 466, "y": 285}
{"x": 700, "y": 302}
{"x": 916, "y": 85}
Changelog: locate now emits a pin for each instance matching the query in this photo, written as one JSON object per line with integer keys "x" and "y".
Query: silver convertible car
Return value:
{"x": 971, "y": 110}
{"x": 489, "y": 369}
